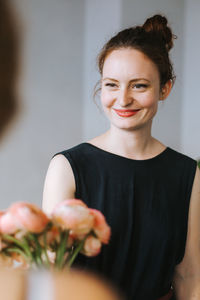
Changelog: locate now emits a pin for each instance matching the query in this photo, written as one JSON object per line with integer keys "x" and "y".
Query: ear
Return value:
{"x": 166, "y": 89}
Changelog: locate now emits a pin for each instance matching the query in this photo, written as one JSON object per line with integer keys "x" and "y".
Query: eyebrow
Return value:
{"x": 132, "y": 80}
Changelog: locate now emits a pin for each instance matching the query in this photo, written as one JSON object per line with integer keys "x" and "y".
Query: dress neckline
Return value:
{"x": 126, "y": 158}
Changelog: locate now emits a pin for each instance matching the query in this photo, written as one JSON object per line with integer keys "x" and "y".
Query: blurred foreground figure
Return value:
{"x": 8, "y": 65}
{"x": 12, "y": 285}
{"x": 73, "y": 285}
{"x": 78, "y": 285}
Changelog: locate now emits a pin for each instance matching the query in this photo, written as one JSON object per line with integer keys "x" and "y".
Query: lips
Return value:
{"x": 126, "y": 112}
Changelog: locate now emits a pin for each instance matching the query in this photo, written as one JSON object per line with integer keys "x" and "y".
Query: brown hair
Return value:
{"x": 8, "y": 64}
{"x": 154, "y": 38}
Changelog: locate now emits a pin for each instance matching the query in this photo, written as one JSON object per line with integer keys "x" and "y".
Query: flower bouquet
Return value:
{"x": 32, "y": 239}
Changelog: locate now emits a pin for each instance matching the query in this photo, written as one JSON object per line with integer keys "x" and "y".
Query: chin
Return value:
{"x": 131, "y": 127}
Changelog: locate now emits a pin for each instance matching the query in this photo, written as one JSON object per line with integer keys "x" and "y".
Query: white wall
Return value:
{"x": 52, "y": 85}
{"x": 190, "y": 85}
{"x": 103, "y": 18}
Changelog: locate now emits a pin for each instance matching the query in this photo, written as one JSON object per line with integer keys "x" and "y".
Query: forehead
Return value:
{"x": 126, "y": 63}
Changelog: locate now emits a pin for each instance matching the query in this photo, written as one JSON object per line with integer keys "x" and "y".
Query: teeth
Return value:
{"x": 125, "y": 112}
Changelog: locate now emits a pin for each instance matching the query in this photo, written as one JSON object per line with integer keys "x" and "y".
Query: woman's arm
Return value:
{"x": 187, "y": 274}
{"x": 59, "y": 183}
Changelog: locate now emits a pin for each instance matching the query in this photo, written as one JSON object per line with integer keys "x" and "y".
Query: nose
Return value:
{"x": 125, "y": 98}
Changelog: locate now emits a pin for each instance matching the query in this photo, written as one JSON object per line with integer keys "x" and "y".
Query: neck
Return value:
{"x": 137, "y": 143}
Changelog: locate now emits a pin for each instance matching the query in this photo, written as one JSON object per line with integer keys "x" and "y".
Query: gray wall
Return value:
{"x": 103, "y": 18}
{"x": 61, "y": 41}
{"x": 190, "y": 85}
{"x": 51, "y": 95}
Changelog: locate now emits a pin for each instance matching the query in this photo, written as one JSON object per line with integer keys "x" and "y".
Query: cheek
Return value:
{"x": 149, "y": 101}
{"x": 106, "y": 99}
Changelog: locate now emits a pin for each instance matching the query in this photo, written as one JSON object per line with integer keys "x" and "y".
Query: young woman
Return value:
{"x": 149, "y": 193}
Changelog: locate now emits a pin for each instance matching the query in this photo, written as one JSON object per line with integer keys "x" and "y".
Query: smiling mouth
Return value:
{"x": 126, "y": 112}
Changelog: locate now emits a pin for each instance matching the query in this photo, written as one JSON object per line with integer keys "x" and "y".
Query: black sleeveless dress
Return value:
{"x": 146, "y": 203}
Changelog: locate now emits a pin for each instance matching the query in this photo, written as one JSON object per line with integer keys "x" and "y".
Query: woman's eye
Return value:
{"x": 140, "y": 86}
{"x": 110, "y": 84}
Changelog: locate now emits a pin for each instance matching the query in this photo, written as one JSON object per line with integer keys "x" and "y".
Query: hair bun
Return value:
{"x": 157, "y": 25}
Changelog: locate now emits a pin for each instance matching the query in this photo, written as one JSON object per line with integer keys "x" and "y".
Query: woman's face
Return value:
{"x": 130, "y": 89}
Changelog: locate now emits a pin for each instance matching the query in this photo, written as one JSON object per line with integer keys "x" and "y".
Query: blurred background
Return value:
{"x": 59, "y": 42}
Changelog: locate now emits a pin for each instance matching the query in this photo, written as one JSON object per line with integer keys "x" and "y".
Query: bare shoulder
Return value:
{"x": 59, "y": 163}
{"x": 190, "y": 265}
{"x": 59, "y": 183}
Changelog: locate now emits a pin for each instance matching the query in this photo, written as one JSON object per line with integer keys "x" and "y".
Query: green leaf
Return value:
{"x": 198, "y": 163}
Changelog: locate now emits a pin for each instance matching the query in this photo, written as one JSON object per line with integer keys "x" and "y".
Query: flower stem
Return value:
{"x": 10, "y": 238}
{"x": 47, "y": 262}
{"x": 22, "y": 244}
{"x": 75, "y": 253}
{"x": 61, "y": 250}
{"x": 19, "y": 251}
{"x": 38, "y": 249}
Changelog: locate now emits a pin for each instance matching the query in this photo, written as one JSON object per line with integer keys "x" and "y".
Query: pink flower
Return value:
{"x": 73, "y": 215}
{"x": 24, "y": 216}
{"x": 92, "y": 246}
{"x": 8, "y": 224}
{"x": 101, "y": 228}
{"x": 70, "y": 241}
{"x": 52, "y": 235}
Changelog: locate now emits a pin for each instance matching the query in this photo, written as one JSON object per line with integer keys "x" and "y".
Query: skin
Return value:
{"x": 131, "y": 138}
{"x": 187, "y": 274}
{"x": 122, "y": 88}
{"x": 79, "y": 285}
{"x": 73, "y": 285}
{"x": 16, "y": 280}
